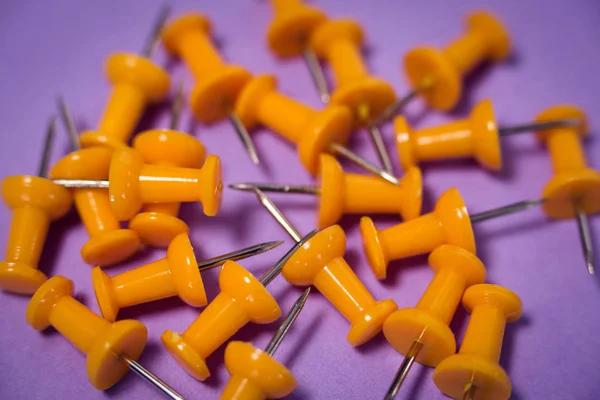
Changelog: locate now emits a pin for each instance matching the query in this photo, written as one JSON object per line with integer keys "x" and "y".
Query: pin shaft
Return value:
{"x": 237, "y": 255}
{"x": 585, "y": 235}
{"x": 277, "y": 214}
{"x": 287, "y": 323}
{"x": 272, "y": 187}
{"x": 154, "y": 37}
{"x": 167, "y": 390}
{"x": 67, "y": 119}
{"x": 470, "y": 392}
{"x": 361, "y": 162}
{"x": 505, "y": 210}
{"x": 177, "y": 106}
{"x": 396, "y": 108}
{"x": 317, "y": 75}
{"x": 245, "y": 137}
{"x": 538, "y": 126}
{"x": 404, "y": 369}
{"x": 382, "y": 153}
{"x": 47, "y": 149}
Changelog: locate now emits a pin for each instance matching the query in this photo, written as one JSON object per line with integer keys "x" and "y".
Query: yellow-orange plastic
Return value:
{"x": 476, "y": 136}
{"x": 255, "y": 375}
{"x": 343, "y": 193}
{"x": 449, "y": 223}
{"x": 312, "y": 131}
{"x": 443, "y": 70}
{"x": 176, "y": 274}
{"x": 136, "y": 82}
{"x": 217, "y": 85}
{"x": 290, "y": 30}
{"x": 476, "y": 363}
{"x": 158, "y": 224}
{"x": 108, "y": 244}
{"x": 573, "y": 179}
{"x": 101, "y": 342}
{"x": 455, "y": 270}
{"x": 320, "y": 262}
{"x": 242, "y": 299}
{"x": 339, "y": 43}
{"x": 133, "y": 183}
{"x": 35, "y": 202}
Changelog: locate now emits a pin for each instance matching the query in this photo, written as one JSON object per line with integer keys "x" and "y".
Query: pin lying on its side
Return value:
{"x": 255, "y": 373}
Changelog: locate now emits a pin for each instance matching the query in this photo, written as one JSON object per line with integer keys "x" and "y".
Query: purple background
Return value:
{"x": 58, "y": 47}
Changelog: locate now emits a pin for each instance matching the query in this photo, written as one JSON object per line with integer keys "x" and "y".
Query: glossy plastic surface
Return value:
{"x": 242, "y": 299}
{"x": 312, "y": 131}
{"x": 449, "y": 223}
{"x": 343, "y": 193}
{"x": 475, "y": 136}
{"x": 102, "y": 342}
{"x": 35, "y": 202}
{"x": 255, "y": 375}
{"x": 133, "y": 183}
{"x": 444, "y": 70}
{"x": 175, "y": 275}
{"x": 320, "y": 262}
{"x": 476, "y": 363}
{"x": 455, "y": 270}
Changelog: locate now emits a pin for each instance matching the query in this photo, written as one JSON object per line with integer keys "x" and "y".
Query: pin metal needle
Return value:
{"x": 47, "y": 149}
{"x": 585, "y": 236}
{"x": 154, "y": 38}
{"x": 167, "y": 390}
{"x": 506, "y": 210}
{"x": 470, "y": 392}
{"x": 238, "y": 255}
{"x": 67, "y": 119}
{"x": 245, "y": 136}
{"x": 287, "y": 323}
{"x": 273, "y": 187}
{"x": 177, "y": 107}
{"x": 317, "y": 74}
{"x": 382, "y": 153}
{"x": 277, "y": 214}
{"x": 407, "y": 363}
{"x": 361, "y": 162}
{"x": 538, "y": 126}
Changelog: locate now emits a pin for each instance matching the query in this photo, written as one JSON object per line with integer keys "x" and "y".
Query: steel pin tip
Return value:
{"x": 591, "y": 268}
{"x": 273, "y": 244}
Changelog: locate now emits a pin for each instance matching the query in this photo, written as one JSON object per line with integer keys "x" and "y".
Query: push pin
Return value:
{"x": 437, "y": 75}
{"x": 475, "y": 373}
{"x": 137, "y": 82}
{"x": 35, "y": 202}
{"x": 108, "y": 244}
{"x": 313, "y": 132}
{"x": 366, "y": 96}
{"x": 319, "y": 262}
{"x": 342, "y": 193}
{"x": 217, "y": 84}
{"x": 478, "y": 137}
{"x": 255, "y": 374}
{"x": 177, "y": 274}
{"x": 574, "y": 191}
{"x": 110, "y": 349}
{"x": 242, "y": 299}
{"x": 288, "y": 36}
{"x": 132, "y": 183}
{"x": 422, "y": 333}
{"x": 449, "y": 223}
{"x": 158, "y": 224}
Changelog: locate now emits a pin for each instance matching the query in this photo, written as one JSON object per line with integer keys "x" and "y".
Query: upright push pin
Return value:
{"x": 137, "y": 82}
{"x": 255, "y": 374}
{"x": 110, "y": 349}
{"x": 366, "y": 96}
{"x": 313, "y": 132}
{"x": 477, "y": 136}
{"x": 35, "y": 202}
{"x": 574, "y": 191}
{"x": 422, "y": 333}
{"x": 177, "y": 274}
{"x": 158, "y": 224}
{"x": 242, "y": 299}
{"x": 217, "y": 84}
{"x": 475, "y": 373}
{"x": 320, "y": 263}
{"x": 288, "y": 36}
{"x": 437, "y": 75}
{"x": 109, "y": 243}
{"x": 342, "y": 193}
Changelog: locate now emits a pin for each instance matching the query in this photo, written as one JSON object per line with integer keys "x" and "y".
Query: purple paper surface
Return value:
{"x": 59, "y": 47}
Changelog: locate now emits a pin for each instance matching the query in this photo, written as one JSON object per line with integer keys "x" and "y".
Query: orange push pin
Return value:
{"x": 255, "y": 374}
{"x": 137, "y": 82}
{"x": 477, "y": 136}
{"x": 449, "y": 223}
{"x": 288, "y": 36}
{"x": 158, "y": 224}
{"x": 574, "y": 191}
{"x": 319, "y": 262}
{"x": 474, "y": 373}
{"x": 243, "y": 299}
{"x": 366, "y": 96}
{"x": 177, "y": 274}
{"x": 422, "y": 333}
{"x": 110, "y": 349}
{"x": 313, "y": 132}
{"x": 342, "y": 193}
{"x": 437, "y": 75}
{"x": 35, "y": 202}
{"x": 109, "y": 244}
{"x": 217, "y": 85}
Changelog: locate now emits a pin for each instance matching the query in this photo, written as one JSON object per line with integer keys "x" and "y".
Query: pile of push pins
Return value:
{"x": 112, "y": 177}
